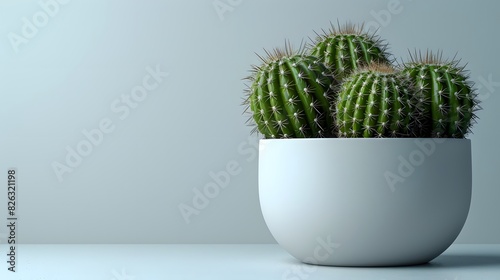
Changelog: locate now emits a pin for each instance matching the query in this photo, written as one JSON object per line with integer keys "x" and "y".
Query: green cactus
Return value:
{"x": 377, "y": 101}
{"x": 345, "y": 48}
{"x": 290, "y": 96}
{"x": 451, "y": 100}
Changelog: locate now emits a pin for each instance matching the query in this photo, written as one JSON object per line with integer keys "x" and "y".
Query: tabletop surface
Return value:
{"x": 239, "y": 261}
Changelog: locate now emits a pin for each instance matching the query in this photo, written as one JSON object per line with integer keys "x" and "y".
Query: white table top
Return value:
{"x": 249, "y": 261}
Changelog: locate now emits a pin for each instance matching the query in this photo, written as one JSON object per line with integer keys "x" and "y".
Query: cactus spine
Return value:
{"x": 290, "y": 96}
{"x": 451, "y": 99}
{"x": 377, "y": 101}
{"x": 345, "y": 48}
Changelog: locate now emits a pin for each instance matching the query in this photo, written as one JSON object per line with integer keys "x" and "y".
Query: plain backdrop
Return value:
{"x": 68, "y": 68}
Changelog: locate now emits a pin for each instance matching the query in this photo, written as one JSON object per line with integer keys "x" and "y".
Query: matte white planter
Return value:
{"x": 365, "y": 202}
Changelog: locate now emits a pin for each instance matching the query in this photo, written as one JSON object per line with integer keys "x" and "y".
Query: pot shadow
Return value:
{"x": 465, "y": 260}
{"x": 441, "y": 262}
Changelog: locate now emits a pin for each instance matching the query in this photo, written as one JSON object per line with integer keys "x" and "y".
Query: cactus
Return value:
{"x": 345, "y": 48}
{"x": 451, "y": 99}
{"x": 377, "y": 101}
{"x": 290, "y": 96}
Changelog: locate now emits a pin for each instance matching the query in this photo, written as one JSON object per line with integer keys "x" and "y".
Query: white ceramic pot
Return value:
{"x": 365, "y": 202}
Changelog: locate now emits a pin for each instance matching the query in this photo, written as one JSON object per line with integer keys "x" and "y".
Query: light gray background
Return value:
{"x": 128, "y": 190}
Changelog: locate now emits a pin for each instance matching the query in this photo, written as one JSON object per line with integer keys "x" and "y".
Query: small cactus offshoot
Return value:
{"x": 290, "y": 96}
{"x": 451, "y": 99}
{"x": 377, "y": 101}
{"x": 346, "y": 48}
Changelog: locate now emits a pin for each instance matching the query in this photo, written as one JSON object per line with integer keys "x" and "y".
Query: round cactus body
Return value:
{"x": 451, "y": 99}
{"x": 290, "y": 96}
{"x": 346, "y": 48}
{"x": 377, "y": 101}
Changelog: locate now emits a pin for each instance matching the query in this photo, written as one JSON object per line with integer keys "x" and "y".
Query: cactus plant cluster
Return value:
{"x": 345, "y": 85}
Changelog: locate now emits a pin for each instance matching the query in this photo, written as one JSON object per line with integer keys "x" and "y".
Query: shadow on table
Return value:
{"x": 469, "y": 260}
{"x": 442, "y": 262}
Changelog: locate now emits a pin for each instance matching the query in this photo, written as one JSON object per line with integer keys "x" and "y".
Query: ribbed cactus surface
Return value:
{"x": 346, "y": 48}
{"x": 377, "y": 101}
{"x": 451, "y": 99}
{"x": 290, "y": 96}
